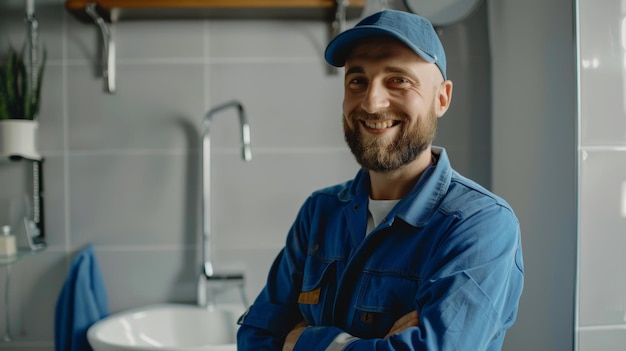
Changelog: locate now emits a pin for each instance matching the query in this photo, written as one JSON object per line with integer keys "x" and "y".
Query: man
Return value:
{"x": 409, "y": 255}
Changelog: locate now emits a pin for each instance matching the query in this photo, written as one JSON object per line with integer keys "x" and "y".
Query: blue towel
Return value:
{"x": 81, "y": 303}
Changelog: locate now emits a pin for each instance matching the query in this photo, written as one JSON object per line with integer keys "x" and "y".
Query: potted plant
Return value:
{"x": 20, "y": 97}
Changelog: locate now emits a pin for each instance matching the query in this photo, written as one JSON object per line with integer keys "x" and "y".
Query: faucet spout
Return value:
{"x": 243, "y": 121}
{"x": 207, "y": 271}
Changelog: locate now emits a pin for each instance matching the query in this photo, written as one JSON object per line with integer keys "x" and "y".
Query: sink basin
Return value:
{"x": 168, "y": 327}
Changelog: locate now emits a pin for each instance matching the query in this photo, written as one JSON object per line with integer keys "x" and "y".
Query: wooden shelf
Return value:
{"x": 106, "y": 12}
{"x": 114, "y": 10}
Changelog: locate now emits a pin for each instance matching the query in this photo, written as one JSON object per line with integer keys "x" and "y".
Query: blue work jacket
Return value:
{"x": 450, "y": 249}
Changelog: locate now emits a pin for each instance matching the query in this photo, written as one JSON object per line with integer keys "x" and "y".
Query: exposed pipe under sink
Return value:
{"x": 208, "y": 276}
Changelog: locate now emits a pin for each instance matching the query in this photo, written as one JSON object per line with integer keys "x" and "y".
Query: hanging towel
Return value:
{"x": 81, "y": 303}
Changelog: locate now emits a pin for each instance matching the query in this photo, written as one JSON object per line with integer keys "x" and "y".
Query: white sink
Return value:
{"x": 168, "y": 327}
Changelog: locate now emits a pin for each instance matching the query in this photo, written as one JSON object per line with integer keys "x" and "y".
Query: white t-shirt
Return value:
{"x": 378, "y": 209}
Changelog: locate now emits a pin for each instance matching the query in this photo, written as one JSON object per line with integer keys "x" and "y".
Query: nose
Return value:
{"x": 376, "y": 98}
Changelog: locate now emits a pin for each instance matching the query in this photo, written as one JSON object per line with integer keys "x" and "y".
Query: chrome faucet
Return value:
{"x": 208, "y": 276}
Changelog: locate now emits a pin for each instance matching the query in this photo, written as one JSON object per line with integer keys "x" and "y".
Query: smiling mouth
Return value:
{"x": 379, "y": 125}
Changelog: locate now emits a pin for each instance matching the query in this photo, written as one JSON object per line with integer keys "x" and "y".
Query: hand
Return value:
{"x": 408, "y": 320}
{"x": 292, "y": 337}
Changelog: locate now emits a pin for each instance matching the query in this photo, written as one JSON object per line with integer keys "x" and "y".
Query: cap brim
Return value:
{"x": 339, "y": 48}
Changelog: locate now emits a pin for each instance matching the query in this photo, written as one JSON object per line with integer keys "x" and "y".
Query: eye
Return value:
{"x": 356, "y": 83}
{"x": 399, "y": 81}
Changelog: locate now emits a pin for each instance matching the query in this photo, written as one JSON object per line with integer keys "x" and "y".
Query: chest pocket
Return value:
{"x": 318, "y": 291}
{"x": 382, "y": 299}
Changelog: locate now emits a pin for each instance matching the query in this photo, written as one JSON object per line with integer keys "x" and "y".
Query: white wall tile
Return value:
{"x": 149, "y": 276}
{"x": 136, "y": 200}
{"x": 602, "y": 73}
{"x": 257, "y": 39}
{"x": 51, "y": 130}
{"x": 154, "y": 108}
{"x": 602, "y": 295}
{"x": 605, "y": 340}
{"x": 146, "y": 40}
{"x": 288, "y": 104}
{"x": 254, "y": 204}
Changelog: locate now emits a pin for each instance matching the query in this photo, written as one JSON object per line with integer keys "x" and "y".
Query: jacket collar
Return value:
{"x": 417, "y": 207}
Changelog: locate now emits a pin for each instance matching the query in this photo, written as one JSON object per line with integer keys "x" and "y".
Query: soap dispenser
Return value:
{"x": 8, "y": 245}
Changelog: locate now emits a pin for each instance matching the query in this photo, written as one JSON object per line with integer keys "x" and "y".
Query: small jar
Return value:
{"x": 8, "y": 245}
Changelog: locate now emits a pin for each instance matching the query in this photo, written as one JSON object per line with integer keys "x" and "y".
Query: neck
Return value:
{"x": 396, "y": 184}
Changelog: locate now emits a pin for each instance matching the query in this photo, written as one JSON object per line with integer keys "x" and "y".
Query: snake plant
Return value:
{"x": 20, "y": 86}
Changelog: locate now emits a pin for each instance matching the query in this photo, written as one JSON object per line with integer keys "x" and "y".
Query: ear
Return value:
{"x": 444, "y": 97}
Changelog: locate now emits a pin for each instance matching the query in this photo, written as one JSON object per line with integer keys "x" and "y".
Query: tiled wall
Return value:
{"x": 602, "y": 283}
{"x": 122, "y": 170}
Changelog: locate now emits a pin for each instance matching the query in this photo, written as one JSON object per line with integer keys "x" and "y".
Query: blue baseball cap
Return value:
{"x": 414, "y": 31}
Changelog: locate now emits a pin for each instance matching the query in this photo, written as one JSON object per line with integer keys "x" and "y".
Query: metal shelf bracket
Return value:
{"x": 108, "y": 50}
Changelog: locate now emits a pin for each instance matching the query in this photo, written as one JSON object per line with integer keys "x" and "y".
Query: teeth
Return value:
{"x": 379, "y": 124}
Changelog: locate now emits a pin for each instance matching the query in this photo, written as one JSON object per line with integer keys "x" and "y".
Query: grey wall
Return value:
{"x": 121, "y": 171}
{"x": 534, "y": 158}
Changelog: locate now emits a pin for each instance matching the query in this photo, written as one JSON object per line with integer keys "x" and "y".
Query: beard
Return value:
{"x": 383, "y": 155}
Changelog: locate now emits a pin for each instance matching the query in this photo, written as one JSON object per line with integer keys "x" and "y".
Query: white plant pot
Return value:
{"x": 18, "y": 138}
